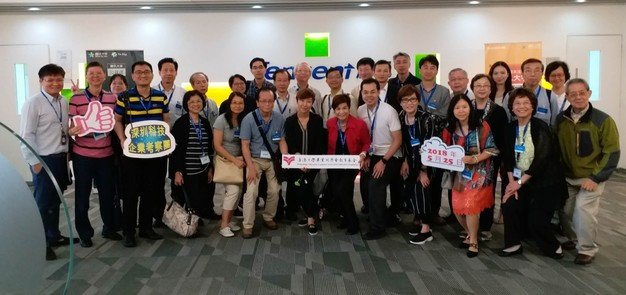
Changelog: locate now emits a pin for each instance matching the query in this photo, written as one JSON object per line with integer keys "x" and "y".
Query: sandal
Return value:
{"x": 470, "y": 253}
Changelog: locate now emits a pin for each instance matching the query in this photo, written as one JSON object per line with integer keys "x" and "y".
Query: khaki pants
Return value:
{"x": 249, "y": 198}
{"x": 581, "y": 209}
{"x": 231, "y": 196}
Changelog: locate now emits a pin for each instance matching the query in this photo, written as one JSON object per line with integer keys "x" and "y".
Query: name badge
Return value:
{"x": 542, "y": 110}
{"x": 467, "y": 174}
{"x": 99, "y": 136}
{"x": 517, "y": 173}
{"x": 178, "y": 105}
{"x": 205, "y": 159}
{"x": 276, "y": 136}
{"x": 520, "y": 148}
{"x": 415, "y": 142}
{"x": 179, "y": 108}
{"x": 236, "y": 134}
{"x": 265, "y": 155}
{"x": 432, "y": 106}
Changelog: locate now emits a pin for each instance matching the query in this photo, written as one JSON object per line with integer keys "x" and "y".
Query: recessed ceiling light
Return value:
{"x": 364, "y": 5}
{"x": 34, "y": 9}
{"x": 474, "y": 2}
{"x": 257, "y": 6}
{"x": 145, "y": 7}
{"x": 581, "y": 1}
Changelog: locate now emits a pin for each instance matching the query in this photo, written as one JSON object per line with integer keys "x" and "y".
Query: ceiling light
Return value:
{"x": 364, "y": 5}
{"x": 581, "y": 1}
{"x": 257, "y": 6}
{"x": 474, "y": 2}
{"x": 145, "y": 7}
{"x": 34, "y": 9}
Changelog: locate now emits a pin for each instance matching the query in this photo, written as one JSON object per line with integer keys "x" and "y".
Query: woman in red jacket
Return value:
{"x": 347, "y": 135}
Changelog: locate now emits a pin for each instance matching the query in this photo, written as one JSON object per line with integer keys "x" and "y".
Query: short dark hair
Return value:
{"x": 305, "y": 93}
{"x": 191, "y": 93}
{"x": 531, "y": 61}
{"x": 401, "y": 54}
{"x": 258, "y": 59}
{"x": 522, "y": 92}
{"x": 408, "y": 90}
{"x": 51, "y": 70}
{"x": 168, "y": 60}
{"x": 431, "y": 58}
{"x": 122, "y": 77}
{"x": 492, "y": 84}
{"x": 265, "y": 89}
{"x": 140, "y": 63}
{"x": 94, "y": 64}
{"x": 228, "y": 115}
{"x": 365, "y": 61}
{"x": 383, "y": 62}
{"x": 551, "y": 67}
{"x": 472, "y": 120}
{"x": 370, "y": 81}
{"x": 279, "y": 71}
{"x": 508, "y": 84}
{"x": 232, "y": 78}
{"x": 339, "y": 99}
{"x": 333, "y": 69}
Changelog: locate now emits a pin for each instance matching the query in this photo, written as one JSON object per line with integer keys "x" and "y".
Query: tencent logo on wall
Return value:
{"x": 317, "y": 72}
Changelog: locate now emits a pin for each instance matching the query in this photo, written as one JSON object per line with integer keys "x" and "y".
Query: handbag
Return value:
{"x": 226, "y": 171}
{"x": 181, "y": 220}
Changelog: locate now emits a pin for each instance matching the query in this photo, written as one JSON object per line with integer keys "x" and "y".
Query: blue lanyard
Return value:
{"x": 430, "y": 96}
{"x": 171, "y": 94}
{"x": 141, "y": 100}
{"x": 198, "y": 130}
{"x": 90, "y": 96}
{"x": 282, "y": 110}
{"x": 266, "y": 126}
{"x": 342, "y": 134}
{"x": 372, "y": 122}
{"x": 563, "y": 104}
{"x": 59, "y": 116}
{"x": 523, "y": 135}
{"x": 537, "y": 93}
{"x": 411, "y": 127}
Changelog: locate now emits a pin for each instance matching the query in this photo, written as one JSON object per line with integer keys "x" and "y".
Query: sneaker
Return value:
{"x": 421, "y": 238}
{"x": 486, "y": 236}
{"x": 312, "y": 229}
{"x": 233, "y": 226}
{"x": 415, "y": 230}
{"x": 129, "y": 241}
{"x": 303, "y": 222}
{"x": 226, "y": 232}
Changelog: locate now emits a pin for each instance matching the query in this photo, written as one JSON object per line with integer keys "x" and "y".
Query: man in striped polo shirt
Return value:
{"x": 92, "y": 158}
{"x": 144, "y": 177}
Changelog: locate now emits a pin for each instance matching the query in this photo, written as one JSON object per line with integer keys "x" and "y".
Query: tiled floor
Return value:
{"x": 289, "y": 261}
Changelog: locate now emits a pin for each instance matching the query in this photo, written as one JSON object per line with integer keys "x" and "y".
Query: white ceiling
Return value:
{"x": 55, "y": 6}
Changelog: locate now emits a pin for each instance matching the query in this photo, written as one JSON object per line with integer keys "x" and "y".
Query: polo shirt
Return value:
{"x": 88, "y": 145}
{"x": 436, "y": 102}
{"x": 385, "y": 121}
{"x": 250, "y": 131}
{"x": 130, "y": 106}
{"x": 175, "y": 97}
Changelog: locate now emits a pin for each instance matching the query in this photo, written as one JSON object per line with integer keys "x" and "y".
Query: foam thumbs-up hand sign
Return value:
{"x": 97, "y": 119}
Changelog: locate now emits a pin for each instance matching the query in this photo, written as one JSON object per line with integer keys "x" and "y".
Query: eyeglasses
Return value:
{"x": 144, "y": 73}
{"x": 51, "y": 80}
{"x": 482, "y": 86}
{"x": 266, "y": 101}
{"x": 410, "y": 99}
{"x": 557, "y": 75}
{"x": 581, "y": 93}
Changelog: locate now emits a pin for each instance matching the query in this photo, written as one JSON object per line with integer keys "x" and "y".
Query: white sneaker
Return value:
{"x": 486, "y": 236}
{"x": 233, "y": 226}
{"x": 226, "y": 232}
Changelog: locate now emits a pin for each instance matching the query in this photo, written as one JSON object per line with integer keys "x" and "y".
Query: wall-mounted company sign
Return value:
{"x": 435, "y": 153}
{"x": 98, "y": 120}
{"x": 321, "y": 162}
{"x": 148, "y": 139}
{"x": 115, "y": 62}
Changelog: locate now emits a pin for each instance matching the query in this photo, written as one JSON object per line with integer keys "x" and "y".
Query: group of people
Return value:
{"x": 552, "y": 150}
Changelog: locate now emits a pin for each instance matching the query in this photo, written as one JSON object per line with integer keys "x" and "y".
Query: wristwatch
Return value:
{"x": 384, "y": 161}
{"x": 519, "y": 181}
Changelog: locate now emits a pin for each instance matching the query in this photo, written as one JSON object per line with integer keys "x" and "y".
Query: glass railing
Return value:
{"x": 23, "y": 245}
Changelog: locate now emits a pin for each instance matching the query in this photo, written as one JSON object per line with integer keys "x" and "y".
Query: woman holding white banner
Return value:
{"x": 472, "y": 190}
{"x": 347, "y": 135}
{"x": 304, "y": 133}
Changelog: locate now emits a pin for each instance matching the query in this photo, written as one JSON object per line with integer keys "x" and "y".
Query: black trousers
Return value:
{"x": 198, "y": 191}
{"x": 364, "y": 188}
{"x": 341, "y": 185}
{"x": 531, "y": 214}
{"x": 435, "y": 191}
{"x": 301, "y": 195}
{"x": 145, "y": 179}
{"x": 396, "y": 191}
{"x": 378, "y": 192}
{"x": 419, "y": 198}
{"x": 486, "y": 217}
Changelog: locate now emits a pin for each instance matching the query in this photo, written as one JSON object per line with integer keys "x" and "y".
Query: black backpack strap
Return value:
{"x": 266, "y": 143}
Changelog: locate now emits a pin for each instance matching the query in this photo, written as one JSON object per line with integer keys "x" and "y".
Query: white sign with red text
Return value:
{"x": 321, "y": 162}
{"x": 97, "y": 119}
{"x": 435, "y": 153}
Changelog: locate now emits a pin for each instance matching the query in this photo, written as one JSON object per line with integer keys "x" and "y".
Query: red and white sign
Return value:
{"x": 437, "y": 154}
{"x": 97, "y": 119}
{"x": 321, "y": 162}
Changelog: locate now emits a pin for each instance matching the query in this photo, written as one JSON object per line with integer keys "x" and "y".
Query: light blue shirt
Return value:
{"x": 250, "y": 131}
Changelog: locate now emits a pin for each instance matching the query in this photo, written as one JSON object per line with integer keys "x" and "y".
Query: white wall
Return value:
{"x": 221, "y": 44}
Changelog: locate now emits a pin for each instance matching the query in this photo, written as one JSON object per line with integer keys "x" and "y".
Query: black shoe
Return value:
{"x": 238, "y": 214}
{"x": 438, "y": 220}
{"x": 503, "y": 253}
{"x": 470, "y": 253}
{"x": 291, "y": 216}
{"x": 569, "y": 245}
{"x": 394, "y": 220}
{"x": 312, "y": 229}
{"x": 86, "y": 243}
{"x": 113, "y": 236}
{"x": 214, "y": 216}
{"x": 50, "y": 255}
{"x": 63, "y": 241}
{"x": 343, "y": 224}
{"x": 303, "y": 222}
{"x": 365, "y": 210}
{"x": 371, "y": 235}
{"x": 129, "y": 241}
{"x": 150, "y": 235}
{"x": 556, "y": 256}
{"x": 158, "y": 224}
{"x": 200, "y": 222}
{"x": 463, "y": 245}
{"x": 415, "y": 230}
{"x": 421, "y": 238}
{"x": 352, "y": 231}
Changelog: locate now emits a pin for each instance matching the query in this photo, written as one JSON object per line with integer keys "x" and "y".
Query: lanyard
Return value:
{"x": 266, "y": 126}
{"x": 90, "y": 96}
{"x": 342, "y": 134}
{"x": 518, "y": 154}
{"x": 563, "y": 104}
{"x": 141, "y": 100}
{"x": 411, "y": 126}
{"x": 465, "y": 137}
{"x": 171, "y": 94}
{"x": 282, "y": 109}
{"x": 59, "y": 116}
{"x": 373, "y": 122}
{"x": 537, "y": 93}
{"x": 427, "y": 101}
{"x": 198, "y": 130}
{"x": 466, "y": 92}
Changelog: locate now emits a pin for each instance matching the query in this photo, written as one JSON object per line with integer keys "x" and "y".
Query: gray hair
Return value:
{"x": 576, "y": 81}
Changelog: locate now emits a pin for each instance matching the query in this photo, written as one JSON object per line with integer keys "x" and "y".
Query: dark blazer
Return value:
{"x": 180, "y": 131}
{"x": 497, "y": 120}
{"x": 394, "y": 86}
{"x": 546, "y": 169}
{"x": 316, "y": 139}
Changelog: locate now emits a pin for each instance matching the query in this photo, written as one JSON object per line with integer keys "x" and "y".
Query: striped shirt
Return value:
{"x": 136, "y": 108}
{"x": 195, "y": 150}
{"x": 87, "y": 145}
